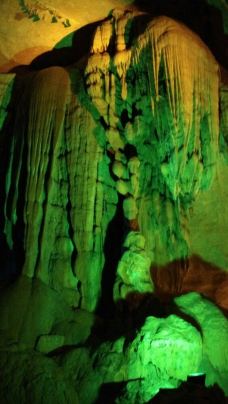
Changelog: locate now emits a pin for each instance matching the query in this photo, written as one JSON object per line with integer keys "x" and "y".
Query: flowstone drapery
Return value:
{"x": 145, "y": 126}
{"x": 120, "y": 143}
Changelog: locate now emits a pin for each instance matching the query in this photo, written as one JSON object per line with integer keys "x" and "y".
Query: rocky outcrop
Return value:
{"x": 214, "y": 361}
{"x": 33, "y": 316}
{"x": 103, "y": 161}
{"x": 140, "y": 128}
{"x": 32, "y": 377}
{"x": 193, "y": 274}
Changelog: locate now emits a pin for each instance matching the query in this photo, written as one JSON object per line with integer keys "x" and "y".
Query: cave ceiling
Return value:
{"x": 29, "y": 28}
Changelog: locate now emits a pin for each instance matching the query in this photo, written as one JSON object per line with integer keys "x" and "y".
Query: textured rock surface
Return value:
{"x": 49, "y": 343}
{"x": 163, "y": 353}
{"x": 38, "y": 308}
{"x": 6, "y": 86}
{"x": 69, "y": 195}
{"x": 29, "y": 27}
{"x": 215, "y": 350}
{"x": 31, "y": 377}
{"x": 108, "y": 166}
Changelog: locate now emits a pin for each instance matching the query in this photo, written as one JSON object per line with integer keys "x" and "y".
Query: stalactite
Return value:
{"x": 66, "y": 192}
{"x": 46, "y": 116}
{"x": 192, "y": 82}
{"x": 170, "y": 116}
{"x": 103, "y": 162}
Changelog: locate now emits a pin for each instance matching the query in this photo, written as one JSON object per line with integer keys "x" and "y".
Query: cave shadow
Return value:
{"x": 12, "y": 260}
{"x": 193, "y": 274}
{"x": 198, "y": 15}
{"x": 112, "y": 254}
{"x": 130, "y": 315}
{"x": 201, "y": 17}
{"x": 125, "y": 317}
{"x": 193, "y": 390}
{"x": 68, "y": 51}
{"x": 109, "y": 392}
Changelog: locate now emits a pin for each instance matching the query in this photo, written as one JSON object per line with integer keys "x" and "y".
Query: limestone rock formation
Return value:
{"x": 214, "y": 361}
{"x": 103, "y": 162}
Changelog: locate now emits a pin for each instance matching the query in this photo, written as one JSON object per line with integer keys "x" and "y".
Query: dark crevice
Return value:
{"x": 103, "y": 123}
{"x": 11, "y": 261}
{"x": 19, "y": 229}
{"x": 71, "y": 235}
{"x": 109, "y": 392}
{"x": 63, "y": 350}
{"x": 125, "y": 118}
{"x": 71, "y": 231}
{"x": 130, "y": 151}
{"x": 21, "y": 153}
{"x": 156, "y": 135}
{"x": 44, "y": 203}
{"x": 191, "y": 391}
{"x": 137, "y": 27}
{"x": 112, "y": 253}
{"x": 6, "y": 139}
{"x": 135, "y": 111}
{"x": 112, "y": 44}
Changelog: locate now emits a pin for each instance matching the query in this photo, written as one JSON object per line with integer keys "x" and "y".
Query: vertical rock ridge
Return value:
{"x": 141, "y": 123}
{"x": 170, "y": 116}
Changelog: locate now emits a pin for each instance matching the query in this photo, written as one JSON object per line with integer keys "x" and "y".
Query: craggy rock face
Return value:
{"x": 189, "y": 275}
{"x": 30, "y": 27}
{"x": 134, "y": 126}
{"x": 102, "y": 162}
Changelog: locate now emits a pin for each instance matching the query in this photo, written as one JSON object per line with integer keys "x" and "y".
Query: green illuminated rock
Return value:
{"x": 103, "y": 164}
{"x": 32, "y": 377}
{"x": 49, "y": 343}
{"x": 63, "y": 154}
{"x": 6, "y": 87}
{"x": 215, "y": 336}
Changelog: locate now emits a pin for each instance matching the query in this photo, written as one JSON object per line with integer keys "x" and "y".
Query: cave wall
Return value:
{"x": 138, "y": 126}
{"x": 113, "y": 180}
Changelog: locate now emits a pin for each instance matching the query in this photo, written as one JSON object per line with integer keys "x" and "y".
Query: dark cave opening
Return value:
{"x": 71, "y": 235}
{"x": 112, "y": 252}
{"x": 130, "y": 151}
{"x": 110, "y": 392}
{"x": 12, "y": 260}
